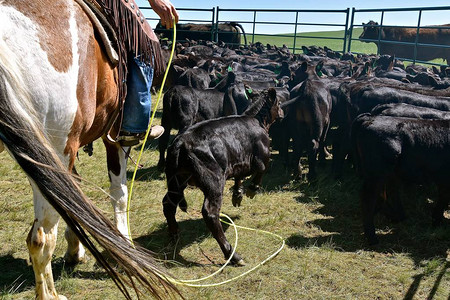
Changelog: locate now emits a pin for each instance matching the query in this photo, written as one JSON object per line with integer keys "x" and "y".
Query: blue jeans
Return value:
{"x": 138, "y": 102}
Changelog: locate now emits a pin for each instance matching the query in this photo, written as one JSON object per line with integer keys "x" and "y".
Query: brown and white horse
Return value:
{"x": 58, "y": 91}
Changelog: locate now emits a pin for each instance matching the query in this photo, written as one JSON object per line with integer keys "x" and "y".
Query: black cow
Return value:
{"x": 184, "y": 106}
{"x": 197, "y": 78}
{"x": 389, "y": 150}
{"x": 209, "y": 152}
{"x": 409, "y": 111}
{"x": 362, "y": 97}
{"x": 308, "y": 120}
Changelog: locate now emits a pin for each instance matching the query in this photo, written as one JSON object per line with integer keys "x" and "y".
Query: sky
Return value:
{"x": 390, "y": 18}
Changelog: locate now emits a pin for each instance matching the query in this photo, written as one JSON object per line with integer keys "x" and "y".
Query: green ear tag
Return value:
{"x": 276, "y": 81}
{"x": 230, "y": 69}
{"x": 320, "y": 74}
{"x": 249, "y": 90}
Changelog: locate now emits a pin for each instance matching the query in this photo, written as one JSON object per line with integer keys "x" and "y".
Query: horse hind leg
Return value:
{"x": 75, "y": 253}
{"x": 41, "y": 242}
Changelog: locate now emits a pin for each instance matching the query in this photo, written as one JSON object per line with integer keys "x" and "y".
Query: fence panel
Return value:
{"x": 287, "y": 18}
{"x": 260, "y": 25}
{"x": 416, "y": 44}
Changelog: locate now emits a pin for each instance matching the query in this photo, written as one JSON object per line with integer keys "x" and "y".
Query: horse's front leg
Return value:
{"x": 117, "y": 171}
{"x": 41, "y": 242}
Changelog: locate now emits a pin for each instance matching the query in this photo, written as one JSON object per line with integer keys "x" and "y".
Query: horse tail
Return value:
{"x": 25, "y": 140}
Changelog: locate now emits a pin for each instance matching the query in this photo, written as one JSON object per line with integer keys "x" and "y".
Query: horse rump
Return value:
{"x": 26, "y": 142}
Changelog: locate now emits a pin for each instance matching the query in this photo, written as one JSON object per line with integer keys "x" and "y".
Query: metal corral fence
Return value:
{"x": 294, "y": 18}
{"x": 383, "y": 13}
{"x": 299, "y": 28}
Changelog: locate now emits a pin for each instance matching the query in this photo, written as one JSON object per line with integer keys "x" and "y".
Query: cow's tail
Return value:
{"x": 235, "y": 24}
{"x": 355, "y": 131}
{"x": 24, "y": 138}
{"x": 176, "y": 152}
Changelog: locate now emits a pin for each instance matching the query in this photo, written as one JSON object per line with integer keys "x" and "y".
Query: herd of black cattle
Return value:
{"x": 392, "y": 123}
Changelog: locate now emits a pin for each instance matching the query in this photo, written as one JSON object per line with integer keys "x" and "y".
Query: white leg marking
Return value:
{"x": 119, "y": 194}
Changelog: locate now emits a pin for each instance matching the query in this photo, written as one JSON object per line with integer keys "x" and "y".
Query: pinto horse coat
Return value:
{"x": 58, "y": 91}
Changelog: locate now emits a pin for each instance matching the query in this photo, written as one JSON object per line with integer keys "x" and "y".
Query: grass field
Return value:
{"x": 325, "y": 257}
{"x": 330, "y": 39}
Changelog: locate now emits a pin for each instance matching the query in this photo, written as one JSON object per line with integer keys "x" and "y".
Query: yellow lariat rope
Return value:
{"x": 149, "y": 129}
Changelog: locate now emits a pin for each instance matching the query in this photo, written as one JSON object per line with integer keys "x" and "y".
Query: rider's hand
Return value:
{"x": 166, "y": 11}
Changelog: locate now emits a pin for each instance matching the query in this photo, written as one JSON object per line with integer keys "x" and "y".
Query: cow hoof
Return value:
{"x": 237, "y": 199}
{"x": 240, "y": 263}
{"x": 250, "y": 193}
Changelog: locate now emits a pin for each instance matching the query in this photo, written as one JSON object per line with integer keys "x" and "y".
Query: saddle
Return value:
{"x": 105, "y": 31}
{"x": 123, "y": 29}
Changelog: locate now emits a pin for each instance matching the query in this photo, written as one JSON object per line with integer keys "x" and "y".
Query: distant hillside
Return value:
{"x": 331, "y": 39}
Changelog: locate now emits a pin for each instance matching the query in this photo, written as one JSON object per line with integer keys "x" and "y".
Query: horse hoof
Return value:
{"x": 73, "y": 260}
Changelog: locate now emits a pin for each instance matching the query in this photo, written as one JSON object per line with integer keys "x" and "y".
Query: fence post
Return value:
{"x": 417, "y": 37}
{"x": 346, "y": 30}
{"x": 379, "y": 33}
{"x": 351, "y": 31}
{"x": 254, "y": 20}
{"x": 216, "y": 29}
{"x": 295, "y": 32}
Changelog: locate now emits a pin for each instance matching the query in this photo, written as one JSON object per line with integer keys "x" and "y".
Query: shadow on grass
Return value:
{"x": 192, "y": 231}
{"x": 339, "y": 220}
{"x": 146, "y": 174}
{"x": 19, "y": 276}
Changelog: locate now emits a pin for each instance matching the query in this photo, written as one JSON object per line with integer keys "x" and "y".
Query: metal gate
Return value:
{"x": 295, "y": 19}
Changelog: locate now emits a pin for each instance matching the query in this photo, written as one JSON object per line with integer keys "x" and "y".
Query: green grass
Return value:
{"x": 330, "y": 39}
{"x": 325, "y": 257}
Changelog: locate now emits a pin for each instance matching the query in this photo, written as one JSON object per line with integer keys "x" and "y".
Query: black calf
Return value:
{"x": 209, "y": 152}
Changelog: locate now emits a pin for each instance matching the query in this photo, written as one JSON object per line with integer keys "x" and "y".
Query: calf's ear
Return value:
{"x": 304, "y": 66}
{"x": 272, "y": 94}
{"x": 319, "y": 67}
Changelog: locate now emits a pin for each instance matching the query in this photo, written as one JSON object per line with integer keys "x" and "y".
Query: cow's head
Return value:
{"x": 308, "y": 71}
{"x": 370, "y": 31}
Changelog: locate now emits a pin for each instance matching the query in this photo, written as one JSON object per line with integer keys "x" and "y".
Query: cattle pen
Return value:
{"x": 325, "y": 251}
{"x": 341, "y": 35}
